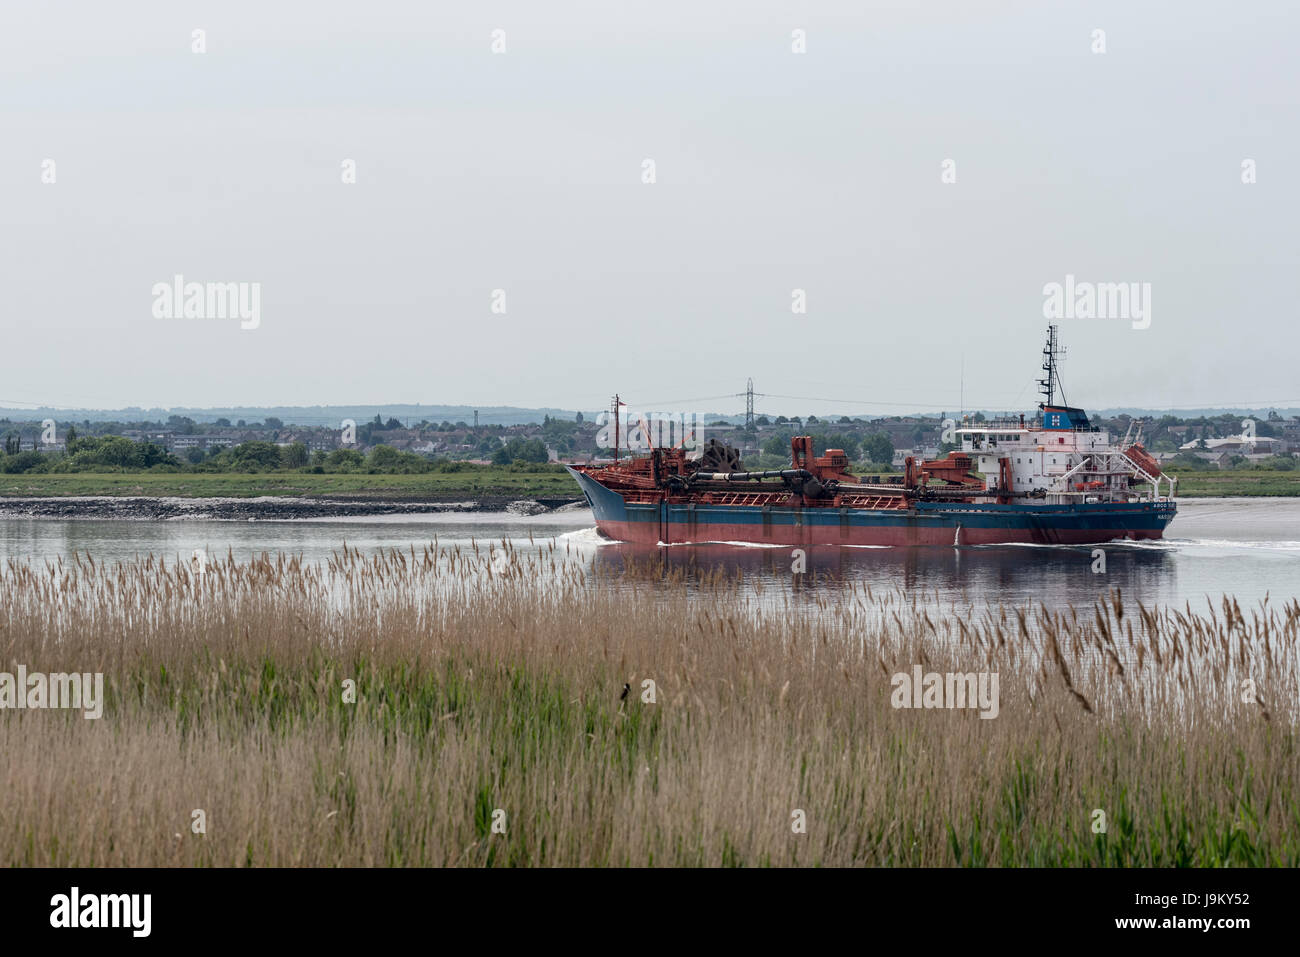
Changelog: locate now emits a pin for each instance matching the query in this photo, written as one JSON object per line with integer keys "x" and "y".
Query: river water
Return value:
{"x": 1247, "y": 548}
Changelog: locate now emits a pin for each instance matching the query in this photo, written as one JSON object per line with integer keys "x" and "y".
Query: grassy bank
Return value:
{"x": 485, "y": 480}
{"x": 1227, "y": 482}
{"x": 475, "y": 481}
{"x": 478, "y": 692}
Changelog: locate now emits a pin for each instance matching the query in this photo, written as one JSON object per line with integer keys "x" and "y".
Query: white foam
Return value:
{"x": 1214, "y": 547}
{"x": 585, "y": 537}
{"x": 1149, "y": 544}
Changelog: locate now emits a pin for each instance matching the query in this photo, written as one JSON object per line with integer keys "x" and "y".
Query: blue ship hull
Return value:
{"x": 922, "y": 523}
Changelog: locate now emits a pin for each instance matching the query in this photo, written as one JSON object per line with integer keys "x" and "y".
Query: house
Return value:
{"x": 1236, "y": 444}
{"x": 1291, "y": 436}
{"x": 183, "y": 443}
{"x": 315, "y": 440}
{"x": 920, "y": 454}
{"x": 416, "y": 445}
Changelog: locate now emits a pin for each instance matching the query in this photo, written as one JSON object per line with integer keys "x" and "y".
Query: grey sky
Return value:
{"x": 522, "y": 172}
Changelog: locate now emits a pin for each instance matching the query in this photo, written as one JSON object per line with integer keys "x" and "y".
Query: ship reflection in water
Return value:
{"x": 1246, "y": 548}
{"x": 1008, "y": 575}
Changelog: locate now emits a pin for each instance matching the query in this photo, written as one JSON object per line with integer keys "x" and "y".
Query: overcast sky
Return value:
{"x": 522, "y": 171}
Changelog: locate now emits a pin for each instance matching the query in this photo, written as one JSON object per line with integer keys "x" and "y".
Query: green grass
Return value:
{"x": 1216, "y": 482}
{"x": 481, "y": 481}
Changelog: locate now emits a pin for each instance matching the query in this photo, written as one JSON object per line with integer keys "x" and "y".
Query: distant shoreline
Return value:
{"x": 287, "y": 495}
{"x": 492, "y": 486}
{"x": 264, "y": 508}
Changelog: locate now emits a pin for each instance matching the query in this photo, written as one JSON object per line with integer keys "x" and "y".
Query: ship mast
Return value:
{"x": 1053, "y": 352}
{"x": 617, "y": 403}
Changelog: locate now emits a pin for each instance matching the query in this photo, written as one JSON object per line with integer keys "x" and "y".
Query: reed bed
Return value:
{"x": 489, "y": 681}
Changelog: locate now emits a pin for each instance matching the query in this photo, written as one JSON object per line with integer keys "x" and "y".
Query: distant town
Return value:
{"x": 382, "y": 443}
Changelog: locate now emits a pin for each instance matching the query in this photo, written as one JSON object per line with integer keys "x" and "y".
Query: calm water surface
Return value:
{"x": 1246, "y": 548}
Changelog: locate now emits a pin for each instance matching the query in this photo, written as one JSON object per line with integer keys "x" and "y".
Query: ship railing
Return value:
{"x": 994, "y": 425}
{"x": 1039, "y": 427}
{"x": 1101, "y": 465}
{"x": 1154, "y": 480}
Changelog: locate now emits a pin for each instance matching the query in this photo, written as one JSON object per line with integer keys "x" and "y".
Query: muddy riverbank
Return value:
{"x": 265, "y": 508}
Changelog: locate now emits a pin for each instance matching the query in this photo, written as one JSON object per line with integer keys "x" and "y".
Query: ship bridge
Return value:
{"x": 1063, "y": 418}
{"x": 1062, "y": 456}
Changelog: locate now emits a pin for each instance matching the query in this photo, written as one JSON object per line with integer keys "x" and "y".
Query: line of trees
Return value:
{"x": 114, "y": 453}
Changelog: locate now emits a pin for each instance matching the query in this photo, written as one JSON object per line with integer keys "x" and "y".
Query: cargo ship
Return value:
{"x": 1053, "y": 480}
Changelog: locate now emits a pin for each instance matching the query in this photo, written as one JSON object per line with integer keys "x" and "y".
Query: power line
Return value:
{"x": 811, "y": 398}
{"x": 1276, "y": 403}
{"x": 948, "y": 405}
{"x": 707, "y": 398}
